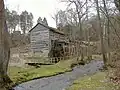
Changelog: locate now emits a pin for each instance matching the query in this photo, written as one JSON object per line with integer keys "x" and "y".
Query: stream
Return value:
{"x": 62, "y": 81}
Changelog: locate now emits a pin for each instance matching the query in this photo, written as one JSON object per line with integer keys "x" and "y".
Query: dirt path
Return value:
{"x": 60, "y": 82}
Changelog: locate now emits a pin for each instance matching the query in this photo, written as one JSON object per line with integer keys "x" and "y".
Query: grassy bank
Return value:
{"x": 19, "y": 75}
{"x": 94, "y": 82}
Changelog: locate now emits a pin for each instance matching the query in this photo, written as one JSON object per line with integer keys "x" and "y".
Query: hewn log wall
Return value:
{"x": 39, "y": 39}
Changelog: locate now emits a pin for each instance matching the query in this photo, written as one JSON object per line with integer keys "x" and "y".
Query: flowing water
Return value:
{"x": 62, "y": 81}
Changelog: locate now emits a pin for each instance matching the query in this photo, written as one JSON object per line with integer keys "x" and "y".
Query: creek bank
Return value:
{"x": 62, "y": 81}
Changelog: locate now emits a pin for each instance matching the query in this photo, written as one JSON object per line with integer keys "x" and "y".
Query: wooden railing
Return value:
{"x": 57, "y": 59}
{"x": 49, "y": 60}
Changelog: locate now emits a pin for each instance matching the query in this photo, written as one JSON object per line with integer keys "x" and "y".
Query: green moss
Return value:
{"x": 19, "y": 75}
{"x": 94, "y": 82}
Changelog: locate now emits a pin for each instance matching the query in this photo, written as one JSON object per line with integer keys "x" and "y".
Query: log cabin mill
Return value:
{"x": 47, "y": 40}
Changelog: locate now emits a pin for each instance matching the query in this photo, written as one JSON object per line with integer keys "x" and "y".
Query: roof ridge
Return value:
{"x": 51, "y": 28}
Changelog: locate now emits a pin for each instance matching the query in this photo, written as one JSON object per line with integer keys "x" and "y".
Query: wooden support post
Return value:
{"x": 69, "y": 49}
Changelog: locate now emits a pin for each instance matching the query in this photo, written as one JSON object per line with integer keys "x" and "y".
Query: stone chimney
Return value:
{"x": 39, "y": 20}
{"x": 45, "y": 21}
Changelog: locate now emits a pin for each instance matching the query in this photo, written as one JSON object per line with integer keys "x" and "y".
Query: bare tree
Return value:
{"x": 89, "y": 55}
{"x": 79, "y": 5}
{"x": 71, "y": 17}
{"x": 101, "y": 34}
{"x": 60, "y": 18}
{"x": 4, "y": 49}
{"x": 108, "y": 27}
{"x": 55, "y": 17}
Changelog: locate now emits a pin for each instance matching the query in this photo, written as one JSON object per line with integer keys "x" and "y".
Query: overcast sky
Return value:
{"x": 39, "y": 8}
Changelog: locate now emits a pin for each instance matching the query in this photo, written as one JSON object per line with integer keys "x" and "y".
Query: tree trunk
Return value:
{"x": 89, "y": 54}
{"x": 108, "y": 29}
{"x": 101, "y": 35}
{"x": 4, "y": 49}
{"x": 81, "y": 33}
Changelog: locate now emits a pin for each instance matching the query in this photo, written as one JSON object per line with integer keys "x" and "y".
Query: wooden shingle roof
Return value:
{"x": 50, "y": 28}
